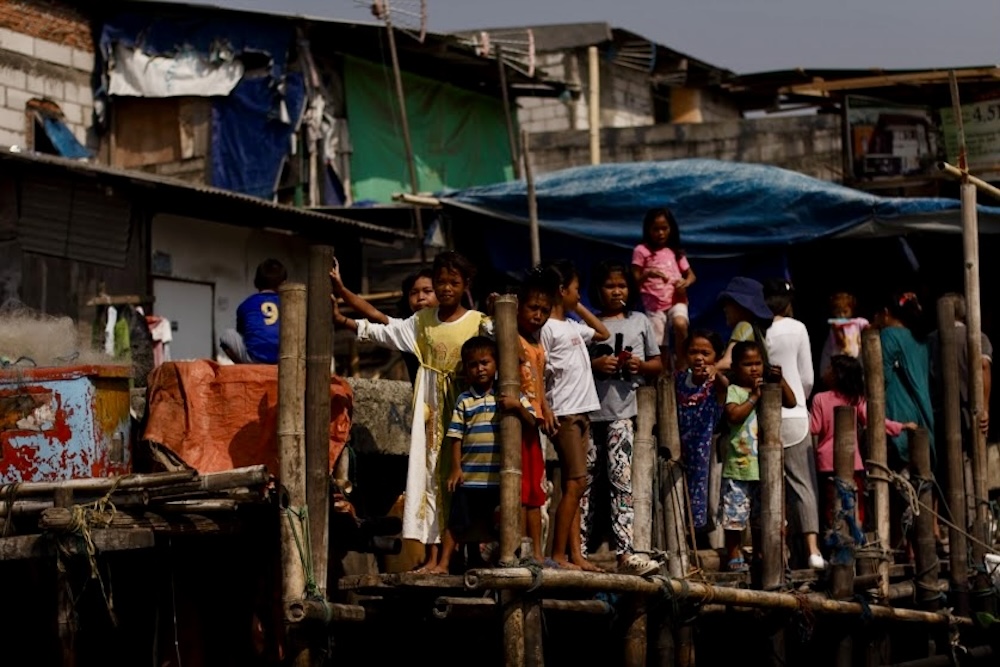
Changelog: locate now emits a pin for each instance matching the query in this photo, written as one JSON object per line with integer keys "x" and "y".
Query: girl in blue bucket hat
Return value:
{"x": 747, "y": 313}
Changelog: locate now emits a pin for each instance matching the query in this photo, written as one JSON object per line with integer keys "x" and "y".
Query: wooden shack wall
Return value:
{"x": 52, "y": 282}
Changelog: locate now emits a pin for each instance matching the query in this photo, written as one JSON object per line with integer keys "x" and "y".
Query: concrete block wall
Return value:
{"x": 807, "y": 144}
{"x": 46, "y": 51}
{"x": 626, "y": 96}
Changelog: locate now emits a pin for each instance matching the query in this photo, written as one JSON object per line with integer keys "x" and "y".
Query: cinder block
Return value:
{"x": 83, "y": 60}
{"x": 17, "y": 99}
{"x": 36, "y": 84}
{"x": 16, "y": 42}
{"x": 12, "y": 120}
{"x": 11, "y": 138}
{"x": 53, "y": 53}
{"x": 14, "y": 78}
{"x": 72, "y": 111}
{"x": 55, "y": 89}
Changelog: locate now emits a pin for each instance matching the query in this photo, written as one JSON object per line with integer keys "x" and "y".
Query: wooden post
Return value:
{"x": 974, "y": 329}
{"x": 505, "y": 317}
{"x": 772, "y": 487}
{"x": 636, "y": 627}
{"x": 513, "y": 629}
{"x": 65, "y": 606}
{"x": 534, "y": 649}
{"x": 594, "y": 103}
{"x": 319, "y": 339}
{"x": 643, "y": 460}
{"x": 671, "y": 477}
{"x": 958, "y": 573}
{"x": 529, "y": 181}
{"x": 842, "y": 565}
{"x": 871, "y": 349}
{"x": 292, "y": 450}
{"x": 925, "y": 549}
{"x": 507, "y": 115}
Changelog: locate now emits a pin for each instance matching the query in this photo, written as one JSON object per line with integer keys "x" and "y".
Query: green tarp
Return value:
{"x": 459, "y": 137}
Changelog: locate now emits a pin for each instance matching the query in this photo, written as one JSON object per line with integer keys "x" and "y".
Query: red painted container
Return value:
{"x": 64, "y": 423}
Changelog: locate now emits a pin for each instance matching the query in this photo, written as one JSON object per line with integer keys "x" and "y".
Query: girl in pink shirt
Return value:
{"x": 663, "y": 274}
{"x": 845, "y": 378}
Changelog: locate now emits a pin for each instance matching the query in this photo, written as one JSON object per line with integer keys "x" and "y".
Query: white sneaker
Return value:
{"x": 638, "y": 565}
{"x": 817, "y": 562}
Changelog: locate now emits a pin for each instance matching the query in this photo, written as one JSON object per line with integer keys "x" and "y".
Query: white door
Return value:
{"x": 190, "y": 309}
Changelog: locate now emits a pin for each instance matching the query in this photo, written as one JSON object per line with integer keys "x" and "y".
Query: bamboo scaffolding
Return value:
{"x": 323, "y": 612}
{"x": 643, "y": 461}
{"x": 878, "y": 453}
{"x": 319, "y": 347}
{"x": 562, "y": 580}
{"x": 925, "y": 549}
{"x": 958, "y": 545}
{"x": 671, "y": 478}
{"x": 529, "y": 182}
{"x": 772, "y": 483}
{"x": 982, "y": 185}
{"x": 842, "y": 569}
{"x": 60, "y": 519}
{"x": 448, "y": 606}
{"x": 505, "y": 318}
{"x": 100, "y": 484}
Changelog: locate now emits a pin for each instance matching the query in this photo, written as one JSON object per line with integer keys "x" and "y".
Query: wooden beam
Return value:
{"x": 821, "y": 86}
{"x": 22, "y": 547}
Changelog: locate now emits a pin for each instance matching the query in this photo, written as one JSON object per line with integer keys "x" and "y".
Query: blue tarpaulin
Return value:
{"x": 722, "y": 208}
{"x": 62, "y": 139}
{"x": 249, "y": 139}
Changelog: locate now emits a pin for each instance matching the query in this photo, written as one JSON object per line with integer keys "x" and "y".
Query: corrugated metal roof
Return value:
{"x": 169, "y": 195}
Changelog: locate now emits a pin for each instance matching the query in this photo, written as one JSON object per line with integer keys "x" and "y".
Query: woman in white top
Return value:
{"x": 788, "y": 347}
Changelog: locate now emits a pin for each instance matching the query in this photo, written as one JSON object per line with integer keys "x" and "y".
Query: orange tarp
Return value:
{"x": 223, "y": 417}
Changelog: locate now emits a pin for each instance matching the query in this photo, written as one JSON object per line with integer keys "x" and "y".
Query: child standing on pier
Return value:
{"x": 571, "y": 396}
{"x": 619, "y": 371}
{"x": 473, "y": 445}
{"x": 534, "y": 306}
{"x": 847, "y": 387}
{"x": 435, "y": 336}
{"x": 663, "y": 274}
{"x": 701, "y": 395}
{"x": 845, "y": 330}
{"x": 741, "y": 470}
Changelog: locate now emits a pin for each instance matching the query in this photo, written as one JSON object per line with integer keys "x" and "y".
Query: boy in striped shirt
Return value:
{"x": 474, "y": 439}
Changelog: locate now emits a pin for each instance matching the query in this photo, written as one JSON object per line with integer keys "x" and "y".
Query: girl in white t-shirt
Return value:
{"x": 571, "y": 396}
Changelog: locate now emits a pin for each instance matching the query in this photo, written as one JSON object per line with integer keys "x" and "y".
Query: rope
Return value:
{"x": 8, "y": 492}
{"x": 806, "y": 619}
{"x": 81, "y": 521}
{"x": 301, "y": 535}
{"x": 866, "y": 610}
{"x": 843, "y": 545}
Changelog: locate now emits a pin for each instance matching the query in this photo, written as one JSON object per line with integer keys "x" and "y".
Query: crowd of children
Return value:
{"x": 580, "y": 372}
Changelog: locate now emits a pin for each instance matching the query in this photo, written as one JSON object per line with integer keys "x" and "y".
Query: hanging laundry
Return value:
{"x": 160, "y": 330}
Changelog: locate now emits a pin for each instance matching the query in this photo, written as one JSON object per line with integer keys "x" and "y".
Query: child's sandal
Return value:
{"x": 738, "y": 565}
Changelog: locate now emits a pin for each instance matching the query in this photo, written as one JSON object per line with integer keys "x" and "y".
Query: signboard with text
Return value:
{"x": 981, "y": 121}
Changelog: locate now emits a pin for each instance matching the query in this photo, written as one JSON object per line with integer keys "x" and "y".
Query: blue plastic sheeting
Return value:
{"x": 63, "y": 140}
{"x": 722, "y": 208}
{"x": 249, "y": 139}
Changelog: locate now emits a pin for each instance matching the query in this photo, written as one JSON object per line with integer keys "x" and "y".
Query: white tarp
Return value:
{"x": 136, "y": 74}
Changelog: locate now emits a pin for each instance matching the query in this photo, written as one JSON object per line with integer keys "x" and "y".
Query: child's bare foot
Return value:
{"x": 585, "y": 565}
{"x": 563, "y": 563}
{"x": 437, "y": 569}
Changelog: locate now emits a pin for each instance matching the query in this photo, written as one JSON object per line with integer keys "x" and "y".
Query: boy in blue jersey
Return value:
{"x": 474, "y": 440}
{"x": 255, "y": 339}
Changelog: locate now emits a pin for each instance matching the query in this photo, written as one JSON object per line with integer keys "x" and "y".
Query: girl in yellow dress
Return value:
{"x": 435, "y": 336}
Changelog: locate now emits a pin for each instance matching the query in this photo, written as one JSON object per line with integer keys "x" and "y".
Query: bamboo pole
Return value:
{"x": 671, "y": 477}
{"x": 871, "y": 350}
{"x": 446, "y": 606}
{"x": 772, "y": 486}
{"x": 319, "y": 341}
{"x": 842, "y": 563}
{"x": 323, "y": 612}
{"x": 594, "y": 103}
{"x": 291, "y": 451}
{"x": 404, "y": 125}
{"x": 925, "y": 549}
{"x": 513, "y": 628}
{"x": 958, "y": 545}
{"x": 842, "y": 566}
{"x": 534, "y": 649}
{"x": 103, "y": 484}
{"x": 65, "y": 602}
{"x": 507, "y": 115}
{"x": 976, "y": 653}
{"x": 643, "y": 460}
{"x": 692, "y": 591}
{"x": 529, "y": 182}
{"x": 505, "y": 317}
{"x": 974, "y": 329}
{"x": 982, "y": 185}
{"x": 636, "y": 627}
